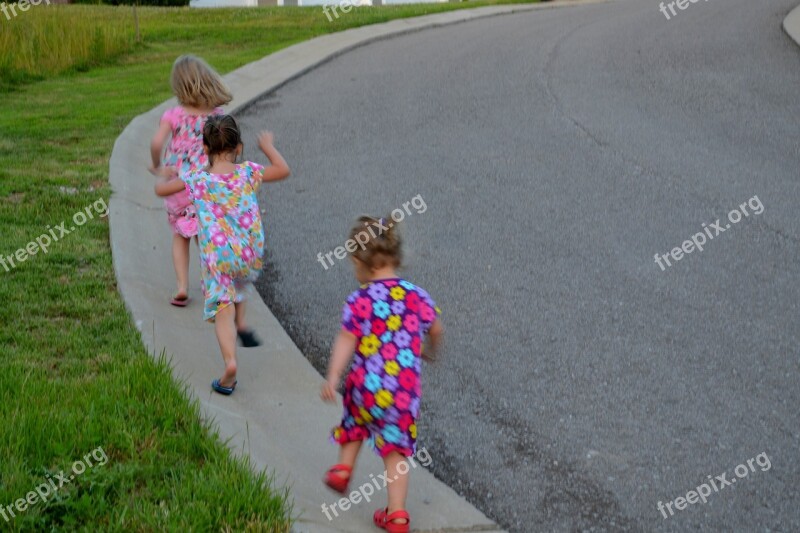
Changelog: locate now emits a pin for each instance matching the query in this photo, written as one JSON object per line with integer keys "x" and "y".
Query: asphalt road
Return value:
{"x": 557, "y": 152}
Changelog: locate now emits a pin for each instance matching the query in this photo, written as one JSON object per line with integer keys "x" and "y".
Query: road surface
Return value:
{"x": 557, "y": 152}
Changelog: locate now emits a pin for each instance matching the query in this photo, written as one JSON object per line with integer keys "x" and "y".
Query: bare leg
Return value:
{"x": 241, "y": 325}
{"x": 398, "y": 488}
{"x": 248, "y": 338}
{"x": 180, "y": 260}
{"x": 225, "y": 327}
{"x": 348, "y": 453}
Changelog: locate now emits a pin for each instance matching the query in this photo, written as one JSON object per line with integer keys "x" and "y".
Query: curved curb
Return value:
{"x": 791, "y": 24}
{"x": 275, "y": 416}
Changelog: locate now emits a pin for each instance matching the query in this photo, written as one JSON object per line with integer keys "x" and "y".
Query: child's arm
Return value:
{"x": 165, "y": 187}
{"x": 434, "y": 341}
{"x": 342, "y": 352}
{"x": 279, "y": 169}
{"x": 157, "y": 144}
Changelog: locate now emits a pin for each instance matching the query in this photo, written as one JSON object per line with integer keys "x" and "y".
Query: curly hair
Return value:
{"x": 379, "y": 242}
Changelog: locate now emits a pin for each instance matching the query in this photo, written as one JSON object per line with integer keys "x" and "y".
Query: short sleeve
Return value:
{"x": 171, "y": 116}
{"x": 188, "y": 178}
{"x": 349, "y": 321}
{"x": 428, "y": 311}
{"x": 253, "y": 169}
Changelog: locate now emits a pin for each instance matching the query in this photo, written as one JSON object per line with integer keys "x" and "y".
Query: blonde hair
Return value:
{"x": 196, "y": 84}
{"x": 380, "y": 242}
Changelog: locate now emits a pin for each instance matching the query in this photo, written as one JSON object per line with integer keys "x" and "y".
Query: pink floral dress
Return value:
{"x": 185, "y": 152}
{"x": 231, "y": 235}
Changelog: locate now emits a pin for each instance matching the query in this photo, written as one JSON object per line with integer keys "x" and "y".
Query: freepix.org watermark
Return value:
{"x": 22, "y": 5}
{"x": 712, "y": 230}
{"x": 365, "y": 491}
{"x": 703, "y": 491}
{"x": 344, "y": 5}
{"x": 681, "y": 4}
{"x": 43, "y": 241}
{"x": 53, "y": 484}
{"x": 362, "y": 238}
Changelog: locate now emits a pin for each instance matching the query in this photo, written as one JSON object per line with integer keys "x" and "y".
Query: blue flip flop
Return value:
{"x": 227, "y": 391}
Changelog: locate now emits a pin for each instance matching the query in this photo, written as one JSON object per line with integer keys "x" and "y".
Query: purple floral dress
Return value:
{"x": 382, "y": 392}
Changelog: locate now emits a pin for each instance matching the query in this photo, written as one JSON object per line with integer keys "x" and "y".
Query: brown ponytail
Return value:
{"x": 379, "y": 242}
{"x": 221, "y": 135}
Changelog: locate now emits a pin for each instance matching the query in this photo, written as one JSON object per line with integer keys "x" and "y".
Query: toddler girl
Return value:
{"x": 383, "y": 324}
{"x": 231, "y": 236}
{"x": 200, "y": 91}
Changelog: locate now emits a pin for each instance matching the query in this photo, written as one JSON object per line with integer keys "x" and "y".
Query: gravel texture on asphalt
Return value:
{"x": 557, "y": 152}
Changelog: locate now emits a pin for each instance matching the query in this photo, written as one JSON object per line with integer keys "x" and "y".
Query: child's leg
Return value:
{"x": 398, "y": 488}
{"x": 241, "y": 325}
{"x": 225, "y": 326}
{"x": 338, "y": 476}
{"x": 180, "y": 259}
{"x": 248, "y": 338}
{"x": 348, "y": 453}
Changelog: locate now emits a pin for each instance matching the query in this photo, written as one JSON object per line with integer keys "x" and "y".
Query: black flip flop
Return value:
{"x": 248, "y": 338}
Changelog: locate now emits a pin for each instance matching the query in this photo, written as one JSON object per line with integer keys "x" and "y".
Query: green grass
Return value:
{"x": 74, "y": 375}
{"x": 49, "y": 40}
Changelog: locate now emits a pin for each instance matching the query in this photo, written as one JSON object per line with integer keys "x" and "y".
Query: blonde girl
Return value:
{"x": 200, "y": 91}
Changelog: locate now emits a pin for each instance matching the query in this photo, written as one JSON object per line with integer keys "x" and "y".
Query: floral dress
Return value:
{"x": 382, "y": 391}
{"x": 185, "y": 152}
{"x": 231, "y": 235}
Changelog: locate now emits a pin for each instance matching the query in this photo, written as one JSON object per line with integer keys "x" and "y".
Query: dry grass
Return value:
{"x": 50, "y": 39}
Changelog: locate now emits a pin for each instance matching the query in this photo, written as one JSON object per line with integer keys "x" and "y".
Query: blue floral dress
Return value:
{"x": 231, "y": 235}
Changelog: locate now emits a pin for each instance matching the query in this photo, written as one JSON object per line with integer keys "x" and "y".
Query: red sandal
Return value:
{"x": 180, "y": 300}
{"x": 387, "y": 521}
{"x": 337, "y": 482}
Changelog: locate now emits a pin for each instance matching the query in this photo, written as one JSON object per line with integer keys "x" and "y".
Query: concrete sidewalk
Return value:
{"x": 791, "y": 24}
{"x": 275, "y": 416}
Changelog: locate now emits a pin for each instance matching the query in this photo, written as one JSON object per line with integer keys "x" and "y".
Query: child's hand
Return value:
{"x": 328, "y": 392}
{"x": 278, "y": 169}
{"x": 265, "y": 140}
{"x": 163, "y": 172}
